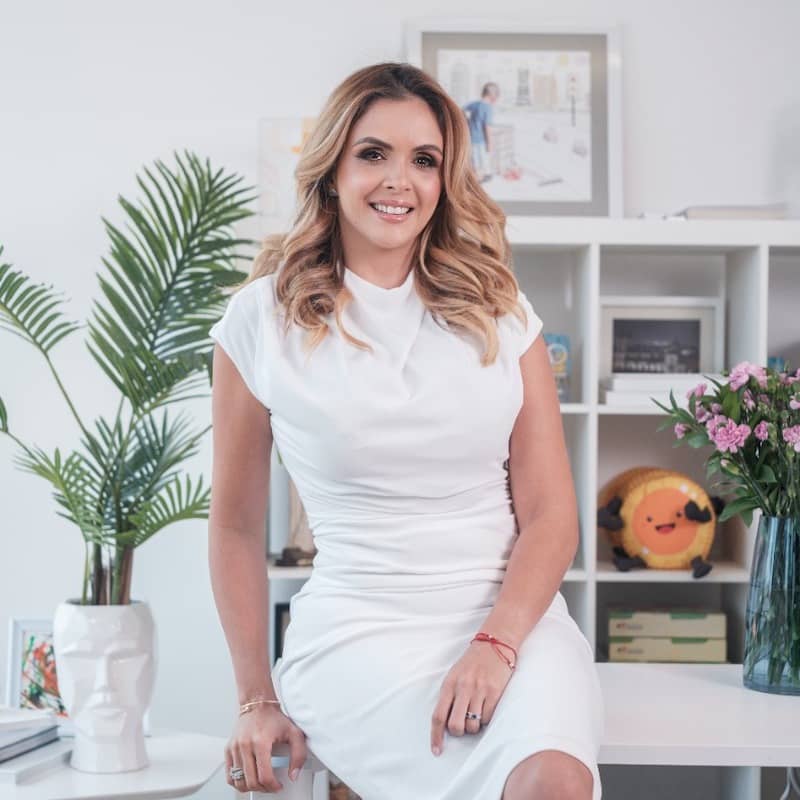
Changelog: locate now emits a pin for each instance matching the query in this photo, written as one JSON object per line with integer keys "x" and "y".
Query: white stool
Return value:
{"x": 311, "y": 783}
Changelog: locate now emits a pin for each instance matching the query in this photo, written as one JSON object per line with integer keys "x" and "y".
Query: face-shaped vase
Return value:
{"x": 105, "y": 660}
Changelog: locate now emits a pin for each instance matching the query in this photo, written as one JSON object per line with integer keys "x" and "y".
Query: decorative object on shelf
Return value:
{"x": 558, "y": 350}
{"x": 280, "y": 624}
{"x": 658, "y": 518}
{"x": 752, "y": 420}
{"x": 300, "y": 549}
{"x": 167, "y": 274}
{"x": 660, "y": 335}
{"x": 543, "y": 108}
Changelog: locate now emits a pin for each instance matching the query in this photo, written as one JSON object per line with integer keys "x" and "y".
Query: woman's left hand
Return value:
{"x": 475, "y": 683}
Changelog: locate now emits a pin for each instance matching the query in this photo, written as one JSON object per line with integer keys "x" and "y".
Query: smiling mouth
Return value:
{"x": 390, "y": 214}
{"x": 667, "y": 528}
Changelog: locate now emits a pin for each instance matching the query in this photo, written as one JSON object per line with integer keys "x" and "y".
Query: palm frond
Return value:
{"x": 30, "y": 310}
{"x": 73, "y": 487}
{"x": 158, "y": 448}
{"x": 167, "y": 272}
{"x": 172, "y": 503}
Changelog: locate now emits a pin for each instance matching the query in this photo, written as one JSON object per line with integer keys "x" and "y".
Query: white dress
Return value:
{"x": 400, "y": 459}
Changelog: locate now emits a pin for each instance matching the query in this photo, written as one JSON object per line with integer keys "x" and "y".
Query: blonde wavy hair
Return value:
{"x": 462, "y": 257}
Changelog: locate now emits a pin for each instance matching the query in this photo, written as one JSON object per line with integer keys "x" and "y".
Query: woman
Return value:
{"x": 385, "y": 343}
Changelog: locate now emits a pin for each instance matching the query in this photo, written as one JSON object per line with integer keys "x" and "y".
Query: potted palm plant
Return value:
{"x": 167, "y": 271}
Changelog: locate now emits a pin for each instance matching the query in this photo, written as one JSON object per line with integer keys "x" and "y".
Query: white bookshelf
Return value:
{"x": 564, "y": 265}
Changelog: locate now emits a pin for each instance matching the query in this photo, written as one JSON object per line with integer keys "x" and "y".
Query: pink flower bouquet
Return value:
{"x": 753, "y": 423}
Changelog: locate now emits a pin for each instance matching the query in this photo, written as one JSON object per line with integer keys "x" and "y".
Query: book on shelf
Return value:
{"x": 645, "y": 381}
{"x": 639, "y": 389}
{"x": 764, "y": 211}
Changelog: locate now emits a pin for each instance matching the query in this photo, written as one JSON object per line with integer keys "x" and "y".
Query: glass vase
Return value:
{"x": 772, "y": 621}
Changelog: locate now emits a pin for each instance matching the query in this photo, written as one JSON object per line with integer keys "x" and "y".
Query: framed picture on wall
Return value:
{"x": 543, "y": 105}
{"x": 280, "y": 142}
{"x": 660, "y": 335}
{"x": 32, "y": 677}
{"x": 280, "y": 624}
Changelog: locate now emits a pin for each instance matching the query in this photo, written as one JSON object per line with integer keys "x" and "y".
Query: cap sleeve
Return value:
{"x": 240, "y": 333}
{"x": 535, "y": 324}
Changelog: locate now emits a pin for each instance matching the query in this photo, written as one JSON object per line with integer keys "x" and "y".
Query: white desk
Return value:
{"x": 656, "y": 714}
{"x": 180, "y": 764}
{"x": 697, "y": 715}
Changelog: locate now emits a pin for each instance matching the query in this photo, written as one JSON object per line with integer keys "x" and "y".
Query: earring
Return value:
{"x": 333, "y": 193}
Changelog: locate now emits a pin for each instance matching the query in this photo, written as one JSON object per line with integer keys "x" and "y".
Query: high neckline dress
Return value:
{"x": 400, "y": 458}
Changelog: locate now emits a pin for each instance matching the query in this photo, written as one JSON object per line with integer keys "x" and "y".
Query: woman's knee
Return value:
{"x": 547, "y": 775}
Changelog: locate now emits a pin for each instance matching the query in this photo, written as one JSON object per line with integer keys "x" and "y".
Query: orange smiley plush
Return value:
{"x": 658, "y": 518}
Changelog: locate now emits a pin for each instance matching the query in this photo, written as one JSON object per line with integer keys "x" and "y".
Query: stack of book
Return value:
{"x": 25, "y": 729}
{"x": 763, "y": 211}
{"x": 638, "y": 389}
{"x": 683, "y": 635}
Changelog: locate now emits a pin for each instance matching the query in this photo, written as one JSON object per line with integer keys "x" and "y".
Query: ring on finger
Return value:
{"x": 473, "y": 715}
{"x": 237, "y": 773}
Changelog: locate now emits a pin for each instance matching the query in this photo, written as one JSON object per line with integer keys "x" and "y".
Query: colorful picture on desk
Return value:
{"x": 32, "y": 680}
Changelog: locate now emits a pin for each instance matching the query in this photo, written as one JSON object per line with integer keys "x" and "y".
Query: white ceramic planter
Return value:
{"x": 106, "y": 665}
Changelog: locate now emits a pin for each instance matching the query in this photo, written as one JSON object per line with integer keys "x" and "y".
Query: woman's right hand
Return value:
{"x": 250, "y": 747}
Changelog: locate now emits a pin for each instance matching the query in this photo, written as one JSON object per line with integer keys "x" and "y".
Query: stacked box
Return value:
{"x": 685, "y": 635}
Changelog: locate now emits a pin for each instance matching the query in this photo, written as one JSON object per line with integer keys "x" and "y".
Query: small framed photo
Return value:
{"x": 31, "y": 681}
{"x": 660, "y": 335}
{"x": 32, "y": 677}
{"x": 280, "y": 624}
{"x": 543, "y": 105}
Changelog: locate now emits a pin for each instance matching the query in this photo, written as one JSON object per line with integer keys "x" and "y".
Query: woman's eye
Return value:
{"x": 429, "y": 162}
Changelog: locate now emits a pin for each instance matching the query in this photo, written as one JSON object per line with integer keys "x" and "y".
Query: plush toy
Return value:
{"x": 658, "y": 518}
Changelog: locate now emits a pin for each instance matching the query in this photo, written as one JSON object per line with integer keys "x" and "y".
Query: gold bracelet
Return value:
{"x": 245, "y": 707}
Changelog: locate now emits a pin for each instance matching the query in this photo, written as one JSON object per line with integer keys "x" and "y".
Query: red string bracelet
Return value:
{"x": 486, "y": 637}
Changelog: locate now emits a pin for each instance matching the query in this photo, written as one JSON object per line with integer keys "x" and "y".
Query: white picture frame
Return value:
{"x": 35, "y": 673}
{"x": 707, "y": 311}
{"x": 551, "y": 180}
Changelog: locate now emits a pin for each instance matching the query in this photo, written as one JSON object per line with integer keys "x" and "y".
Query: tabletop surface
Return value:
{"x": 673, "y": 714}
{"x": 694, "y": 714}
{"x": 180, "y": 763}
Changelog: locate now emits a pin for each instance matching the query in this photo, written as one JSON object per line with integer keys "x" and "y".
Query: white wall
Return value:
{"x": 91, "y": 91}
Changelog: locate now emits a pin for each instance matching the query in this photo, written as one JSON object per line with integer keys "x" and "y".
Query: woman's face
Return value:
{"x": 393, "y": 157}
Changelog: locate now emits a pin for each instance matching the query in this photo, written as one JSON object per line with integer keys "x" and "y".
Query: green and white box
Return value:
{"x": 659, "y": 648}
{"x": 666, "y": 622}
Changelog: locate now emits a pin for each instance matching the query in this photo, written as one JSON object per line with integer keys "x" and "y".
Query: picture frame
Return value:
{"x": 280, "y": 142}
{"x": 557, "y": 119}
{"x": 695, "y": 324}
{"x": 31, "y": 672}
{"x": 280, "y": 624}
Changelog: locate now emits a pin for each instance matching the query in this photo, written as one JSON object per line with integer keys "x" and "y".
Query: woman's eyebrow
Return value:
{"x": 373, "y": 140}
